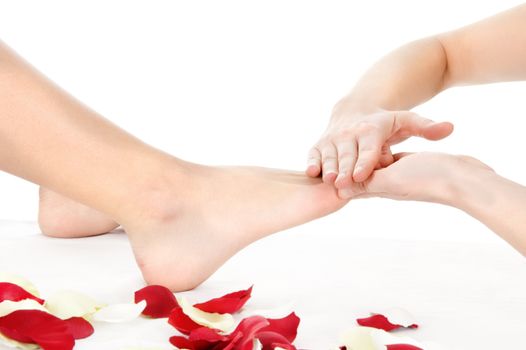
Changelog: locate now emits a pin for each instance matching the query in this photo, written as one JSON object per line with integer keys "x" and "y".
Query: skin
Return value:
{"x": 375, "y": 114}
{"x": 184, "y": 220}
{"x": 459, "y": 181}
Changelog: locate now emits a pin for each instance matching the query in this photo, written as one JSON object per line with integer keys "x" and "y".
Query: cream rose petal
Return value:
{"x": 20, "y": 281}
{"x": 66, "y": 304}
{"x": 8, "y": 306}
{"x": 15, "y": 344}
{"x": 222, "y": 322}
{"x": 118, "y": 313}
{"x": 359, "y": 338}
{"x": 258, "y": 346}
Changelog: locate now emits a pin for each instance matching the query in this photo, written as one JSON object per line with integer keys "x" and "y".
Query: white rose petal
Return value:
{"x": 222, "y": 322}
{"x": 118, "y": 313}
{"x": 66, "y": 304}
{"x": 20, "y": 281}
{"x": 10, "y": 343}
{"x": 9, "y": 306}
{"x": 359, "y": 338}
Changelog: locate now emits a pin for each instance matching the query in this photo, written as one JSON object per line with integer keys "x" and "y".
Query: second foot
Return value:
{"x": 59, "y": 216}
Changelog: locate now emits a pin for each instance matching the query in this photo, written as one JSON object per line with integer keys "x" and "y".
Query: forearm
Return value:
{"x": 495, "y": 201}
{"x": 401, "y": 80}
{"x": 490, "y": 50}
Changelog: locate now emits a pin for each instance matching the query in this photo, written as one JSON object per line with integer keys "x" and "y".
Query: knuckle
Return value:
{"x": 366, "y": 127}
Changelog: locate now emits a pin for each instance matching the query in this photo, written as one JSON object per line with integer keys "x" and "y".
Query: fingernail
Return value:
{"x": 358, "y": 170}
{"x": 345, "y": 193}
{"x": 341, "y": 176}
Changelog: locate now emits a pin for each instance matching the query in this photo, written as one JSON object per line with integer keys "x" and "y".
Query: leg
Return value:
{"x": 59, "y": 216}
{"x": 184, "y": 220}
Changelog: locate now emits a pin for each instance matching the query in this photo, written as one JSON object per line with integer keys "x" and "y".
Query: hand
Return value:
{"x": 355, "y": 144}
{"x": 430, "y": 177}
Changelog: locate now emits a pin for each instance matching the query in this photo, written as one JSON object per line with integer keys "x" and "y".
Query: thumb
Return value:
{"x": 415, "y": 125}
{"x": 383, "y": 182}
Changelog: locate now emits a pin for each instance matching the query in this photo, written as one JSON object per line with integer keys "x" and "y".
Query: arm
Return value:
{"x": 374, "y": 114}
{"x": 458, "y": 181}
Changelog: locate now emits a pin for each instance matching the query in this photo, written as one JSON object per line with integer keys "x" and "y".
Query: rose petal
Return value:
{"x": 183, "y": 343}
{"x": 13, "y": 292}
{"x": 382, "y": 338}
{"x": 222, "y": 322}
{"x": 207, "y": 334}
{"x": 245, "y": 333}
{"x": 159, "y": 301}
{"x": 389, "y": 320}
{"x": 66, "y": 304}
{"x": 286, "y": 326}
{"x": 10, "y": 343}
{"x": 20, "y": 281}
{"x": 400, "y": 317}
{"x": 79, "y": 327}
{"x": 227, "y": 304}
{"x": 180, "y": 321}
{"x": 35, "y": 326}
{"x": 359, "y": 338}
{"x": 257, "y": 345}
{"x": 402, "y": 347}
{"x": 8, "y": 306}
{"x": 271, "y": 340}
{"x": 117, "y": 313}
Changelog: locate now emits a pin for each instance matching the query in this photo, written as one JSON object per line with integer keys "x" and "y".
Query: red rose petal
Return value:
{"x": 381, "y": 322}
{"x": 271, "y": 340}
{"x": 207, "y": 334}
{"x": 286, "y": 326}
{"x": 228, "y": 303}
{"x": 180, "y": 321}
{"x": 182, "y": 343}
{"x": 79, "y": 328}
{"x": 160, "y": 301}
{"x": 38, "y": 327}
{"x": 247, "y": 328}
{"x": 13, "y": 292}
{"x": 402, "y": 347}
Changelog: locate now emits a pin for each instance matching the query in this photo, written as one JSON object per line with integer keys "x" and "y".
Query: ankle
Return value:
{"x": 158, "y": 194}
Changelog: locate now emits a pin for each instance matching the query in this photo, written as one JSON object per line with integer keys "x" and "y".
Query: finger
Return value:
{"x": 314, "y": 163}
{"x": 386, "y": 157}
{"x": 401, "y": 155}
{"x": 411, "y": 124}
{"x": 347, "y": 152}
{"x": 438, "y": 131}
{"x": 369, "y": 152}
{"x": 329, "y": 163}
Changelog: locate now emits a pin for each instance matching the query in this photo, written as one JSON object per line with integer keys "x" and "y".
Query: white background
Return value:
{"x": 237, "y": 82}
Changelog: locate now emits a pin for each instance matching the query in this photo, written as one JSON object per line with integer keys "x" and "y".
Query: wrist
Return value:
{"x": 470, "y": 187}
{"x": 351, "y": 107}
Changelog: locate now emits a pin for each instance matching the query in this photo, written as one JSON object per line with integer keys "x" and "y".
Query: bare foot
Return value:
{"x": 59, "y": 216}
{"x": 188, "y": 234}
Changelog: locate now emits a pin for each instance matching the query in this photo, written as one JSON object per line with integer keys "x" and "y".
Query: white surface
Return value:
{"x": 464, "y": 296}
{"x": 240, "y": 82}
{"x": 237, "y": 82}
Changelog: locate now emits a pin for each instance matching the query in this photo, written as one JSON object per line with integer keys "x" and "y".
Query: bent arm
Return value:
{"x": 488, "y": 51}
